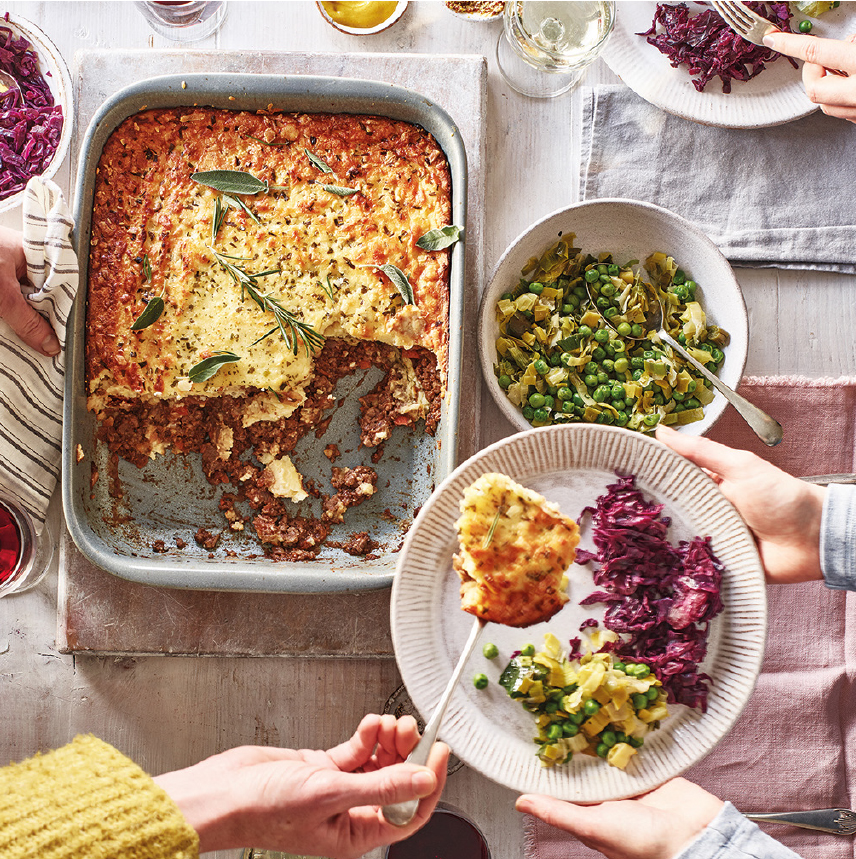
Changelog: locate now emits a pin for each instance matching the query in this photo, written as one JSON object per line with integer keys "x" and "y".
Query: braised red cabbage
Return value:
{"x": 709, "y": 47}
{"x": 29, "y": 131}
{"x": 659, "y": 599}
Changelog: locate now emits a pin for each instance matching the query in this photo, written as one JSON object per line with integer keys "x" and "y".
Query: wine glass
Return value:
{"x": 546, "y": 45}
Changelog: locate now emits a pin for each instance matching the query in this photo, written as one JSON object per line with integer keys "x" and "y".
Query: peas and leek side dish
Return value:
{"x": 596, "y": 705}
{"x": 559, "y": 361}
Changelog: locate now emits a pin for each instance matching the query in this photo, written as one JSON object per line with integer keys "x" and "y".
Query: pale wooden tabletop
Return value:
{"x": 169, "y": 712}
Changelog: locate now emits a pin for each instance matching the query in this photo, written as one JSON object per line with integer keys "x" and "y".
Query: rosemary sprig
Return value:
{"x": 328, "y": 288}
{"x": 220, "y": 209}
{"x": 147, "y": 268}
{"x": 293, "y": 330}
{"x": 489, "y": 535}
{"x": 238, "y": 203}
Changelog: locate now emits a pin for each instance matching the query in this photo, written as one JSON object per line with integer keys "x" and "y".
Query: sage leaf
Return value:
{"x": 323, "y": 166}
{"x": 437, "y": 240}
{"x": 150, "y": 315}
{"x": 206, "y": 368}
{"x": 400, "y": 281}
{"x": 341, "y": 192}
{"x": 230, "y": 181}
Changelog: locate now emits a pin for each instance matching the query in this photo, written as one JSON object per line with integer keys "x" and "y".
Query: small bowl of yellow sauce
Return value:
{"x": 362, "y": 17}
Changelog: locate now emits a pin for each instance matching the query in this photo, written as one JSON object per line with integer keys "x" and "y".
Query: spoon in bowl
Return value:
{"x": 766, "y": 428}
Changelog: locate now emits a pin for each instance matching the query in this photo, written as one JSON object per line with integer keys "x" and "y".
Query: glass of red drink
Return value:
{"x": 448, "y": 834}
{"x": 25, "y": 555}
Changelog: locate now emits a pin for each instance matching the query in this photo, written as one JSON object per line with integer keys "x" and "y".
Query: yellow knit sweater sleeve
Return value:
{"x": 88, "y": 800}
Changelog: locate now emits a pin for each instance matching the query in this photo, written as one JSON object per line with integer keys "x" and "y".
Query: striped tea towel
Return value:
{"x": 31, "y": 385}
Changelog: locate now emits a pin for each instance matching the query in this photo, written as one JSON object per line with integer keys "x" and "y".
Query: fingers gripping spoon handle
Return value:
{"x": 401, "y": 813}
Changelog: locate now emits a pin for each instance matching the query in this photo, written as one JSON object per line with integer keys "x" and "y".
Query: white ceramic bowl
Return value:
{"x": 55, "y": 71}
{"x": 630, "y": 230}
{"x": 400, "y": 6}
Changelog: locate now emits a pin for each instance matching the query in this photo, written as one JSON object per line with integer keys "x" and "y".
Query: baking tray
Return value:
{"x": 170, "y": 498}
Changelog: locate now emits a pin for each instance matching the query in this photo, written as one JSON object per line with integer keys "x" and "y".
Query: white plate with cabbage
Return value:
{"x": 571, "y": 466}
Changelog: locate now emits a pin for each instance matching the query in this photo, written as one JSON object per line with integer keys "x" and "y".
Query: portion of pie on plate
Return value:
{"x": 514, "y": 549}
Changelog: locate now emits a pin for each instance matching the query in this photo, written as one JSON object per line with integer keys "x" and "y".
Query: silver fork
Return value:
{"x": 750, "y": 25}
{"x": 744, "y": 21}
{"x": 837, "y": 821}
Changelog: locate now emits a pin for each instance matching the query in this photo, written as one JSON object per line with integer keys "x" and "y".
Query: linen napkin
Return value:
{"x": 768, "y": 197}
{"x": 31, "y": 385}
{"x": 794, "y": 746}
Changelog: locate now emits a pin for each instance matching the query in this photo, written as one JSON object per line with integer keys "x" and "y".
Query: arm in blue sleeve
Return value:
{"x": 731, "y": 836}
{"x": 838, "y": 537}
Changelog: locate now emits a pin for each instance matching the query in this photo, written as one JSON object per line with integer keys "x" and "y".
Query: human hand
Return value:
{"x": 316, "y": 802}
{"x": 836, "y": 94}
{"x": 30, "y": 326}
{"x": 783, "y": 512}
{"x": 656, "y": 825}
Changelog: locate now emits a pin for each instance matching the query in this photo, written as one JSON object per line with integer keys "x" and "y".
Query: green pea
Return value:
{"x": 602, "y": 303}
{"x": 592, "y": 275}
{"x": 619, "y": 666}
{"x": 608, "y": 738}
{"x": 566, "y": 359}
{"x": 585, "y": 331}
{"x": 679, "y": 277}
{"x": 577, "y": 718}
{"x": 554, "y": 731}
{"x": 620, "y": 737}
{"x": 504, "y": 382}
{"x": 591, "y": 367}
{"x": 536, "y": 400}
{"x": 602, "y": 268}
{"x": 541, "y": 416}
{"x": 693, "y": 403}
{"x": 602, "y": 378}
{"x": 651, "y": 420}
{"x": 636, "y": 742}
{"x": 678, "y": 397}
{"x": 568, "y": 408}
{"x": 527, "y": 650}
{"x": 591, "y": 380}
{"x": 490, "y": 651}
{"x": 691, "y": 386}
{"x": 608, "y": 289}
{"x": 621, "y": 418}
{"x": 528, "y": 412}
{"x": 480, "y": 681}
{"x": 682, "y": 292}
{"x": 608, "y": 366}
{"x": 601, "y": 335}
{"x": 551, "y": 707}
{"x": 636, "y": 330}
{"x": 549, "y": 401}
{"x": 658, "y": 400}
{"x": 598, "y": 353}
{"x": 609, "y": 312}
{"x": 602, "y": 750}
{"x": 567, "y": 309}
{"x": 564, "y": 393}
{"x": 591, "y": 707}
{"x": 569, "y": 729}
{"x": 581, "y": 292}
{"x": 621, "y": 365}
{"x": 613, "y": 270}
{"x": 652, "y": 694}
{"x": 541, "y": 367}
{"x": 639, "y": 701}
{"x": 578, "y": 401}
{"x": 507, "y": 296}
{"x": 600, "y": 393}
{"x": 536, "y": 288}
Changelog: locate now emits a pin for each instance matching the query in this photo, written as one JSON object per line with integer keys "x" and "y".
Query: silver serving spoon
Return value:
{"x": 766, "y": 428}
{"x": 401, "y": 813}
{"x": 7, "y": 83}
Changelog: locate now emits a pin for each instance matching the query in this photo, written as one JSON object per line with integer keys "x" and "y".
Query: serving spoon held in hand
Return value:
{"x": 766, "y": 428}
{"x": 401, "y": 813}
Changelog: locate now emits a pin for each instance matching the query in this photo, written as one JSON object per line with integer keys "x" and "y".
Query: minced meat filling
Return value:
{"x": 132, "y": 429}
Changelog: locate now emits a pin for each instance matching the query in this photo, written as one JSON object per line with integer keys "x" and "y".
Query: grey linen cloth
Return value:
{"x": 31, "y": 385}
{"x": 782, "y": 196}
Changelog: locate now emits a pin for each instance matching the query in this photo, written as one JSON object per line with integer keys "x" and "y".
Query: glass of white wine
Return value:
{"x": 546, "y": 45}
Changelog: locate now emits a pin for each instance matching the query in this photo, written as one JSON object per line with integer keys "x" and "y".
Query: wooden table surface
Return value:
{"x": 167, "y": 712}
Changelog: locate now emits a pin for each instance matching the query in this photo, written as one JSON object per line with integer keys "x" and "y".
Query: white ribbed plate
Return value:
{"x": 572, "y": 465}
{"x": 774, "y": 97}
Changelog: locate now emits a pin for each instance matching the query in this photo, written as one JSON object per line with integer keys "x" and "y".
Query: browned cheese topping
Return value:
{"x": 317, "y": 253}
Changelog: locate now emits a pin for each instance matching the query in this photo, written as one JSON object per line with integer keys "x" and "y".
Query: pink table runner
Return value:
{"x": 794, "y": 746}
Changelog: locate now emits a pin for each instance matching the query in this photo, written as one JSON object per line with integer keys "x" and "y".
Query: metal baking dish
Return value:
{"x": 170, "y": 498}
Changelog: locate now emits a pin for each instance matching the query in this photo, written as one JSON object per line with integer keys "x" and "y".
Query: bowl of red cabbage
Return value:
{"x": 36, "y": 117}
